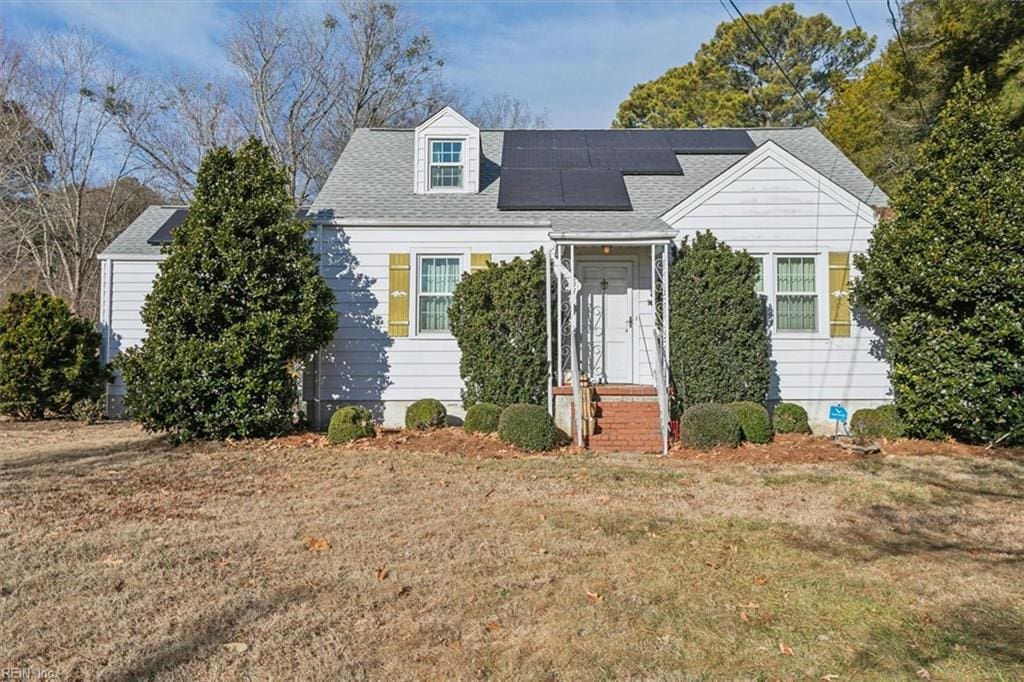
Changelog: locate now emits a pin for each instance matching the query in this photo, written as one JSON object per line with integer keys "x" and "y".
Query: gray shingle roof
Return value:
{"x": 134, "y": 241}
{"x": 373, "y": 181}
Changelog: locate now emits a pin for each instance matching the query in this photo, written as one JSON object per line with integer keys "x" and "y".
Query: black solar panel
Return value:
{"x": 636, "y": 161}
{"x": 541, "y": 157}
{"x": 163, "y": 234}
{"x": 532, "y": 188}
{"x": 700, "y": 141}
{"x": 595, "y": 190}
{"x": 583, "y": 169}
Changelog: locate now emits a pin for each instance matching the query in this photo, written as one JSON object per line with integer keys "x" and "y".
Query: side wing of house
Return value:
{"x": 125, "y": 282}
{"x": 804, "y": 229}
{"x": 389, "y": 282}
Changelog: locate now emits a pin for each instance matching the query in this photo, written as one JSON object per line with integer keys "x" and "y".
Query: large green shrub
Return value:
{"x": 719, "y": 350}
{"x": 427, "y": 413}
{"x": 754, "y": 421}
{"x": 350, "y": 423}
{"x": 529, "y": 427}
{"x": 482, "y": 418}
{"x": 709, "y": 425}
{"x": 49, "y": 357}
{"x": 944, "y": 277}
{"x": 790, "y": 418}
{"x": 497, "y": 316}
{"x": 879, "y": 422}
{"x": 237, "y": 304}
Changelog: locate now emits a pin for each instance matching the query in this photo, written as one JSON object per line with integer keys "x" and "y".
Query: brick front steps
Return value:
{"x": 626, "y": 418}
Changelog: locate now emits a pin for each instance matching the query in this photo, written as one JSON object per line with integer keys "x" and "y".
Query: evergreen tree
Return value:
{"x": 719, "y": 348}
{"x": 237, "y": 304}
{"x": 944, "y": 278}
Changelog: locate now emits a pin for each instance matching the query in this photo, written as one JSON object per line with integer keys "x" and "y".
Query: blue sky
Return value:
{"x": 577, "y": 59}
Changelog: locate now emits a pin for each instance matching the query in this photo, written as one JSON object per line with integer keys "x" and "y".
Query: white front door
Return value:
{"x": 606, "y": 321}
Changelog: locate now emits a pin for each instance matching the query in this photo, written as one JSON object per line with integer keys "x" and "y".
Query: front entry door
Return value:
{"x": 606, "y": 322}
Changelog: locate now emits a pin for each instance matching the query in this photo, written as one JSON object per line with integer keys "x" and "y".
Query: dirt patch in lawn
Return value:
{"x": 802, "y": 449}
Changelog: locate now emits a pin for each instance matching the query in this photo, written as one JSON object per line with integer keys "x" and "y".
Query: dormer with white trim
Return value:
{"x": 447, "y": 155}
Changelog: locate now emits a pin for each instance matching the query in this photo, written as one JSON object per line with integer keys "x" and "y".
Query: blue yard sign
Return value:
{"x": 837, "y": 413}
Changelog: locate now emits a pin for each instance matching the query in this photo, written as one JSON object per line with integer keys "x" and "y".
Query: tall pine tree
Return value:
{"x": 944, "y": 278}
{"x": 237, "y": 303}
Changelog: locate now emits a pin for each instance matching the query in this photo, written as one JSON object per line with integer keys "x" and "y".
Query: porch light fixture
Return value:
{"x": 606, "y": 249}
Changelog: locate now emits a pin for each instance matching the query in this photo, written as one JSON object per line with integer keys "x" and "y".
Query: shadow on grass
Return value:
{"x": 207, "y": 637}
{"x": 101, "y": 456}
{"x": 934, "y": 524}
{"x": 994, "y": 631}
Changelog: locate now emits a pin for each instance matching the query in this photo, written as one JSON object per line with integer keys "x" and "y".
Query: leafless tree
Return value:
{"x": 71, "y": 90}
{"x": 172, "y": 123}
{"x": 506, "y": 111}
{"x": 295, "y": 74}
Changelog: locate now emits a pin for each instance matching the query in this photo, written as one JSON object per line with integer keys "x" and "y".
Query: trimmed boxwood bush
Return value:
{"x": 754, "y": 421}
{"x": 709, "y": 425}
{"x": 790, "y": 418}
{"x": 49, "y": 357}
{"x": 879, "y": 422}
{"x": 482, "y": 418}
{"x": 426, "y": 414}
{"x": 351, "y": 423}
{"x": 529, "y": 427}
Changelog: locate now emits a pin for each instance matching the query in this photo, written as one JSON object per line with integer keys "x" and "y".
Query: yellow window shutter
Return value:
{"x": 398, "y": 294}
{"x": 839, "y": 293}
{"x": 478, "y": 261}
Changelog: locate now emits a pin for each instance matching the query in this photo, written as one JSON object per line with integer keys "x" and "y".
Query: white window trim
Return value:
{"x": 769, "y": 259}
{"x": 415, "y": 255}
{"x": 461, "y": 189}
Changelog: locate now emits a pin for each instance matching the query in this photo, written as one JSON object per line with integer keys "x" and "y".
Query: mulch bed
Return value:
{"x": 785, "y": 449}
{"x": 800, "y": 449}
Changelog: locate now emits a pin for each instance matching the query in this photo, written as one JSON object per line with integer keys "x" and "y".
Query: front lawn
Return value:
{"x": 125, "y": 558}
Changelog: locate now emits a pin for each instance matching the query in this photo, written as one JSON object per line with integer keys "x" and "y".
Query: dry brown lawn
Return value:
{"x": 124, "y": 558}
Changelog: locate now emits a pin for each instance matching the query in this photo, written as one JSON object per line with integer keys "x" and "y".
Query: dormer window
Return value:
{"x": 446, "y": 164}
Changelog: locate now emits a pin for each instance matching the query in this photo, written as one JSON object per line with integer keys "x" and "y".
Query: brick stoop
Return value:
{"x": 627, "y": 419}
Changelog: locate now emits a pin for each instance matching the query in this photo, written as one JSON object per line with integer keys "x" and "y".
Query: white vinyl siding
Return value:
{"x": 772, "y": 211}
{"x": 130, "y": 282}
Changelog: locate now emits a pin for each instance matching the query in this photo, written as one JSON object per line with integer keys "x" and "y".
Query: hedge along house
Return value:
{"x": 405, "y": 213}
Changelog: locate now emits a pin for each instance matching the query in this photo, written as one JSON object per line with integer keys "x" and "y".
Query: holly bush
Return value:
{"x": 719, "y": 350}
{"x": 237, "y": 305}
{"x": 49, "y": 357}
{"x": 944, "y": 277}
{"x": 497, "y": 317}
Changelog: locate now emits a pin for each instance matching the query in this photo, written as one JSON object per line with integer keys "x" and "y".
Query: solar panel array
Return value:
{"x": 584, "y": 169}
{"x": 164, "y": 232}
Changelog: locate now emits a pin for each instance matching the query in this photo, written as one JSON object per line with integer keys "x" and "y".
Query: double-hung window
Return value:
{"x": 796, "y": 299}
{"x": 438, "y": 276}
{"x": 446, "y": 164}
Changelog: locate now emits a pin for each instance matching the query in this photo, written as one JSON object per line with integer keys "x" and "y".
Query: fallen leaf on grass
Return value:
{"x": 924, "y": 674}
{"x": 748, "y": 605}
{"x": 785, "y": 649}
{"x": 236, "y": 647}
{"x": 315, "y": 544}
{"x": 760, "y": 580}
{"x": 830, "y": 677}
{"x": 744, "y": 617}
{"x": 382, "y": 573}
{"x": 112, "y": 560}
{"x": 595, "y": 597}
{"x": 494, "y": 626}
